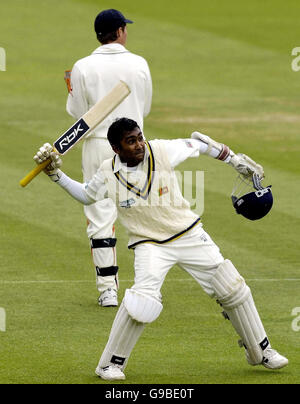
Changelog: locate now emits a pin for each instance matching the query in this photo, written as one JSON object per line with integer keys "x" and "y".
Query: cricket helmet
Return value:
{"x": 252, "y": 205}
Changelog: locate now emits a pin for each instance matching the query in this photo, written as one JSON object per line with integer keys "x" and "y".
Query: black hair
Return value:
{"x": 109, "y": 36}
{"x": 118, "y": 128}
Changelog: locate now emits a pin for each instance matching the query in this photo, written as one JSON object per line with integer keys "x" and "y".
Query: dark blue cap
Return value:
{"x": 109, "y": 21}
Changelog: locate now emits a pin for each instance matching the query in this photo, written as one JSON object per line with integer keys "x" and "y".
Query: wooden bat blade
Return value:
{"x": 84, "y": 125}
{"x": 92, "y": 118}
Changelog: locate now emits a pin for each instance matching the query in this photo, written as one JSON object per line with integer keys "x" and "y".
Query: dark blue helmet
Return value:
{"x": 253, "y": 205}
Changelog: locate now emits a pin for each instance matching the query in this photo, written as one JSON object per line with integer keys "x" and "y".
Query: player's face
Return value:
{"x": 132, "y": 148}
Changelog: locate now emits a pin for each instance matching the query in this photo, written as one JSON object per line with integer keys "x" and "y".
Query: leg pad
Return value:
{"x": 124, "y": 334}
{"x": 235, "y": 297}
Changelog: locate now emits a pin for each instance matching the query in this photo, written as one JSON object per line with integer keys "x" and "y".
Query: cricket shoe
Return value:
{"x": 111, "y": 372}
{"x": 108, "y": 298}
{"x": 271, "y": 359}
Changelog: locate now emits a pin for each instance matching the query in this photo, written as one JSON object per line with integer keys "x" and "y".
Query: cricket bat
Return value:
{"x": 83, "y": 126}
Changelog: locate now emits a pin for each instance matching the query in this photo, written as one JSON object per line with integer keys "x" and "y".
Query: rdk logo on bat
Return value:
{"x": 69, "y": 138}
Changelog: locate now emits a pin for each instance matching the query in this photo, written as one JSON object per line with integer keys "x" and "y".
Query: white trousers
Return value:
{"x": 195, "y": 252}
{"x": 101, "y": 215}
{"x": 198, "y": 255}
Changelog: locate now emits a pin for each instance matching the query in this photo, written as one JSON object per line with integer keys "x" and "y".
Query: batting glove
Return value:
{"x": 47, "y": 152}
{"x": 246, "y": 166}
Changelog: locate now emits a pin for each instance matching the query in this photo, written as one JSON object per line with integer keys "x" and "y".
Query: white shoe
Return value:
{"x": 273, "y": 360}
{"x": 108, "y": 298}
{"x": 111, "y": 372}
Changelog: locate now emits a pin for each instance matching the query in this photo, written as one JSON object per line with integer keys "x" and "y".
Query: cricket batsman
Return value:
{"x": 164, "y": 231}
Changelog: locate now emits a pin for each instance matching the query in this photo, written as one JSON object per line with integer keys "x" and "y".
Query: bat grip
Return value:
{"x": 33, "y": 173}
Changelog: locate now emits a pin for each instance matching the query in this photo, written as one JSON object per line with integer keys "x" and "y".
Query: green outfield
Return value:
{"x": 220, "y": 67}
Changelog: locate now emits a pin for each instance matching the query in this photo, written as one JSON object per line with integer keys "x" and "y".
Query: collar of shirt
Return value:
{"x": 122, "y": 166}
{"x": 110, "y": 48}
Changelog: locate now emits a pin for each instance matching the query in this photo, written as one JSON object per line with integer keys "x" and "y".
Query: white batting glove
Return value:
{"x": 47, "y": 152}
{"x": 246, "y": 166}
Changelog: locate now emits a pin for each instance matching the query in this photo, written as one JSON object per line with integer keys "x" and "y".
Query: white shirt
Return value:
{"x": 178, "y": 150}
{"x": 94, "y": 76}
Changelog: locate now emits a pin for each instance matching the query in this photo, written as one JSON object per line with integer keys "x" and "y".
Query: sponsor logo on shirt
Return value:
{"x": 127, "y": 204}
{"x": 188, "y": 144}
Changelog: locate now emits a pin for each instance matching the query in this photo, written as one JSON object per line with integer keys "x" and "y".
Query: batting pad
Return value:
{"x": 124, "y": 334}
{"x": 142, "y": 308}
{"x": 236, "y": 298}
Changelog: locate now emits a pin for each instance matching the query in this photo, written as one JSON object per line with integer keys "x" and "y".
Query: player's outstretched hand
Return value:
{"x": 47, "y": 152}
{"x": 246, "y": 166}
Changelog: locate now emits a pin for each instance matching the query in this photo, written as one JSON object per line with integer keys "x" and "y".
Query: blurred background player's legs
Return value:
{"x": 100, "y": 230}
{"x": 101, "y": 233}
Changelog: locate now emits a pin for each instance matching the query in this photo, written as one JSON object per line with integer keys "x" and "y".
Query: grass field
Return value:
{"x": 223, "y": 68}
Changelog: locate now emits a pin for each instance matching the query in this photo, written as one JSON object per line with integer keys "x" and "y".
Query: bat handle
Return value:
{"x": 33, "y": 173}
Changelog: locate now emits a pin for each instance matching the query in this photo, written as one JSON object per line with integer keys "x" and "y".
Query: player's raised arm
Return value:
{"x": 243, "y": 164}
{"x": 74, "y": 188}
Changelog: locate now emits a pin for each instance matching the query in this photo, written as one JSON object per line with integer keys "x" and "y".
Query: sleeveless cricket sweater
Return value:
{"x": 149, "y": 201}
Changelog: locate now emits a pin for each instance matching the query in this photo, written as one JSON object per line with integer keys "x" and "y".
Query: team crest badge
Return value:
{"x": 163, "y": 190}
